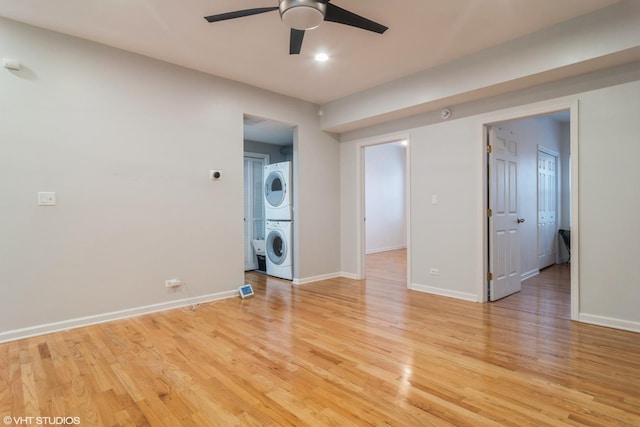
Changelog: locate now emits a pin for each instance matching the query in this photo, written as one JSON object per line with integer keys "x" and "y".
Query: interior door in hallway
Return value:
{"x": 547, "y": 208}
{"x": 504, "y": 239}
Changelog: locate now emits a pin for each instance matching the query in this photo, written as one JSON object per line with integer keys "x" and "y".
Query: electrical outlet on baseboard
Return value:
{"x": 435, "y": 271}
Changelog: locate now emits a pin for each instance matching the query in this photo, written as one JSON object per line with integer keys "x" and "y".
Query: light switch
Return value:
{"x": 46, "y": 198}
{"x": 434, "y": 199}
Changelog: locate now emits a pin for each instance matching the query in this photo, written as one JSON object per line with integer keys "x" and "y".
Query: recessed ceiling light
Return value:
{"x": 322, "y": 57}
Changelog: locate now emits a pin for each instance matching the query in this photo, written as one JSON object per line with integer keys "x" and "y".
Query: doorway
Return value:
{"x": 266, "y": 141}
{"x": 384, "y": 208}
{"x": 528, "y": 193}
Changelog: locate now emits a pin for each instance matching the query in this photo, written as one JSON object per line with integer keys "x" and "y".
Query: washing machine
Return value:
{"x": 279, "y": 250}
{"x": 277, "y": 191}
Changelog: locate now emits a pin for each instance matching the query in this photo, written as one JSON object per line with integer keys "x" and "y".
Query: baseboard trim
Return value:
{"x": 349, "y": 276}
{"x": 528, "y": 274}
{"x": 32, "y": 331}
{"x": 444, "y": 292}
{"x": 609, "y": 322}
{"x": 312, "y": 279}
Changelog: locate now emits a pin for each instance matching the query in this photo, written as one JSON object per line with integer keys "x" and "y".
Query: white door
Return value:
{"x": 547, "y": 207}
{"x": 253, "y": 206}
{"x": 504, "y": 239}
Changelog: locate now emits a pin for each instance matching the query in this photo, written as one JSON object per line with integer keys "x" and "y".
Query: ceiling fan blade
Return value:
{"x": 295, "y": 42}
{"x": 342, "y": 16}
{"x": 239, "y": 14}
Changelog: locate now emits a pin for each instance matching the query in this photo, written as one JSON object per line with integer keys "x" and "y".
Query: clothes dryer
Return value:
{"x": 279, "y": 250}
{"x": 277, "y": 191}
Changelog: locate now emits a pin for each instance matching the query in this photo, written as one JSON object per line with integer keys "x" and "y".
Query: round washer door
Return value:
{"x": 274, "y": 190}
{"x": 276, "y": 247}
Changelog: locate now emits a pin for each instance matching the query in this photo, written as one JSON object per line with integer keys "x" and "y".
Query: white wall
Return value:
{"x": 587, "y": 43}
{"x": 447, "y": 159}
{"x": 385, "y": 170}
{"x": 610, "y": 205}
{"x": 443, "y": 236}
{"x": 126, "y": 142}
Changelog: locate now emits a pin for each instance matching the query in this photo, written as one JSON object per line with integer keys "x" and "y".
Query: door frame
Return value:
{"x": 265, "y": 159}
{"x": 360, "y": 207}
{"x": 521, "y": 112}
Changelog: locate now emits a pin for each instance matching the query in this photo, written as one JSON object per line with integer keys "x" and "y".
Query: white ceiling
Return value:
{"x": 254, "y": 50}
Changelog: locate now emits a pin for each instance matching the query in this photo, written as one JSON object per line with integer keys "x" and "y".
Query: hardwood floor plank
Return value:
{"x": 336, "y": 352}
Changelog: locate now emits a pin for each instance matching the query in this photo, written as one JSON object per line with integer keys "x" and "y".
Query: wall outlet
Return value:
{"x": 435, "y": 271}
{"x": 172, "y": 283}
{"x": 46, "y": 198}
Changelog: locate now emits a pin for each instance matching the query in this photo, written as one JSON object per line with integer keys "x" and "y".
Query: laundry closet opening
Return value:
{"x": 268, "y": 196}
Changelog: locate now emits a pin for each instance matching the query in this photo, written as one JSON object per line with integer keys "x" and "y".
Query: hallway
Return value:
{"x": 388, "y": 265}
{"x": 548, "y": 293}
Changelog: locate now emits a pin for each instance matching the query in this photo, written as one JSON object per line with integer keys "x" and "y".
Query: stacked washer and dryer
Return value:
{"x": 278, "y": 215}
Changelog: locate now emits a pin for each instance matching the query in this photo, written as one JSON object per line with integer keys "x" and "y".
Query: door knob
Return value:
{"x": 520, "y": 220}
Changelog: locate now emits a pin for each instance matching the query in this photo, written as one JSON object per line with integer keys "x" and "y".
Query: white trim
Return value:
{"x": 548, "y": 151}
{"x": 482, "y": 228}
{"x": 349, "y": 275}
{"x": 79, "y": 322}
{"x": 520, "y": 112}
{"x": 610, "y": 322}
{"x": 574, "y": 211}
{"x": 360, "y": 211}
{"x": 319, "y": 278}
{"x": 444, "y": 292}
{"x": 266, "y": 157}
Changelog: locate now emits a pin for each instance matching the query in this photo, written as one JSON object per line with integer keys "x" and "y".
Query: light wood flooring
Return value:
{"x": 338, "y": 352}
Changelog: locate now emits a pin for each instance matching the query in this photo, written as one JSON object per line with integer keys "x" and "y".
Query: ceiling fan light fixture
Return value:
{"x": 302, "y": 14}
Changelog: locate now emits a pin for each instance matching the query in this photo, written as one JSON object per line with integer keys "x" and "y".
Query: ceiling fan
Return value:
{"x": 302, "y": 15}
